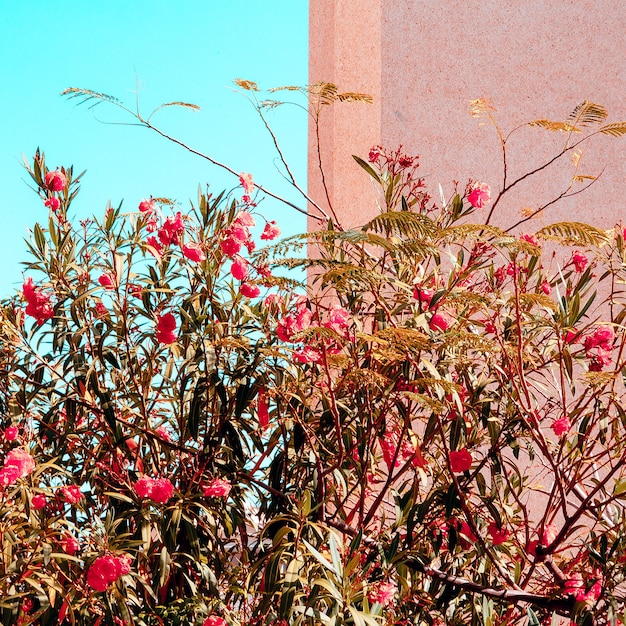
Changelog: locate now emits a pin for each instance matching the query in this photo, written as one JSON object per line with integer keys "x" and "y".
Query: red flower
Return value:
{"x": 423, "y": 296}
{"x": 498, "y": 535}
{"x": 580, "y": 261}
{"x": 72, "y": 494}
{"x": 159, "y": 490}
{"x": 384, "y": 593}
{"x": 108, "y": 280}
{"x": 460, "y": 461}
{"x": 17, "y": 464}
{"x": 107, "y": 569}
{"x": 214, "y": 620}
{"x": 546, "y": 288}
{"x": 230, "y": 246}
{"x": 194, "y": 252}
{"x": 166, "y": 328}
{"x": 479, "y": 195}
{"x": 38, "y": 501}
{"x": 440, "y": 321}
{"x": 147, "y": 206}
{"x": 38, "y": 303}
{"x": 239, "y": 268}
{"x": 271, "y": 231}
{"x": 70, "y": 545}
{"x": 249, "y": 290}
{"x": 218, "y": 488}
{"x": 56, "y": 181}
{"x": 172, "y": 229}
{"x": 53, "y": 203}
{"x": 561, "y": 426}
{"x": 11, "y": 433}
{"x": 154, "y": 247}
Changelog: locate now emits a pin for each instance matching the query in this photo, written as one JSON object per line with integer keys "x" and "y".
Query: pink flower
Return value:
{"x": 230, "y": 246}
{"x": 576, "y": 586}
{"x": 546, "y": 288}
{"x": 11, "y": 433}
{"x": 108, "y": 280}
{"x": 38, "y": 303}
{"x": 479, "y": 195}
{"x": 375, "y": 154}
{"x": 214, "y": 620}
{"x": 101, "y": 309}
{"x": 530, "y": 239}
{"x": 338, "y": 318}
{"x": 107, "y": 569}
{"x": 245, "y": 180}
{"x": 384, "y": 593}
{"x": 155, "y": 248}
{"x": 147, "y": 206}
{"x": 603, "y": 338}
{"x": 72, "y": 494}
{"x": 571, "y": 336}
{"x": 498, "y": 535}
{"x": 423, "y": 296}
{"x": 70, "y": 545}
{"x": 217, "y": 488}
{"x": 307, "y": 355}
{"x": 244, "y": 219}
{"x": 440, "y": 321}
{"x": 460, "y": 461}
{"x": 56, "y": 181}
{"x": 249, "y": 290}
{"x": 194, "y": 252}
{"x": 271, "y": 231}
{"x": 580, "y": 261}
{"x": 239, "y": 268}
{"x": 17, "y": 464}
{"x": 172, "y": 229}
{"x": 561, "y": 426}
{"x": 38, "y": 501}
{"x": 53, "y": 203}
{"x": 166, "y": 328}
{"x": 159, "y": 490}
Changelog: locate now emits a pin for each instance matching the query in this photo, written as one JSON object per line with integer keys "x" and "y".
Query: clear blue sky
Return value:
{"x": 187, "y": 50}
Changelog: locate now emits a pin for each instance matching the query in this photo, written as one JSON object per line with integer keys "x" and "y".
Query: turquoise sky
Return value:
{"x": 188, "y": 50}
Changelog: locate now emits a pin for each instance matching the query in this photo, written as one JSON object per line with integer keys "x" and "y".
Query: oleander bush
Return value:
{"x": 428, "y": 429}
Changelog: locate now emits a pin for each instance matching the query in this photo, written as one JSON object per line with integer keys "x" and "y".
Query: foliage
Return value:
{"x": 432, "y": 430}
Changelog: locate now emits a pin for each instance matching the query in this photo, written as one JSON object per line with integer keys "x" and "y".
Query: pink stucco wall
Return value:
{"x": 423, "y": 60}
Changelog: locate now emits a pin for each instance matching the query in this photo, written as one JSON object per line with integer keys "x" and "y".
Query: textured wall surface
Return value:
{"x": 424, "y": 60}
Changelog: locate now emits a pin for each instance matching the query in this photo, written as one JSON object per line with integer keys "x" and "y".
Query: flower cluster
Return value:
{"x": 17, "y": 464}
{"x": 38, "y": 304}
{"x": 598, "y": 348}
{"x": 217, "y": 488}
{"x": 106, "y": 570}
{"x": 159, "y": 490}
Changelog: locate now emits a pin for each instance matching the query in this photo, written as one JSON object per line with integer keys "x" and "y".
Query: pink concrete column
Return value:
{"x": 345, "y": 49}
{"x": 424, "y": 60}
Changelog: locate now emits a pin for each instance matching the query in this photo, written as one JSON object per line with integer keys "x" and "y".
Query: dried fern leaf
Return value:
{"x": 87, "y": 95}
{"x": 530, "y": 300}
{"x": 403, "y": 224}
{"x": 248, "y": 85}
{"x": 587, "y": 113}
{"x": 461, "y": 231}
{"x": 579, "y": 178}
{"x": 185, "y": 105}
{"x": 616, "y": 130}
{"x": 573, "y": 233}
{"x": 562, "y": 127}
{"x": 481, "y": 106}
